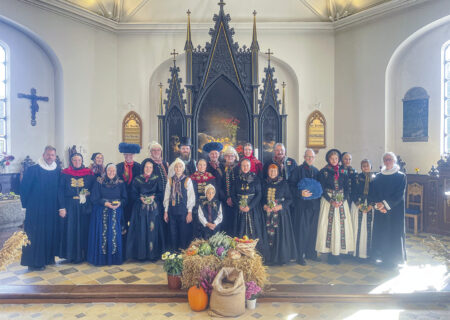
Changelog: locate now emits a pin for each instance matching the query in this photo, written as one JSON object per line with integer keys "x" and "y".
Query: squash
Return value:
{"x": 197, "y": 297}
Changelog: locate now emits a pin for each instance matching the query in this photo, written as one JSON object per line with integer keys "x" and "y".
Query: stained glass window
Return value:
{"x": 3, "y": 97}
{"x": 446, "y": 95}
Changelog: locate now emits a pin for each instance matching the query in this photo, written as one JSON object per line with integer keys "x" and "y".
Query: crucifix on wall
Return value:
{"x": 34, "y": 106}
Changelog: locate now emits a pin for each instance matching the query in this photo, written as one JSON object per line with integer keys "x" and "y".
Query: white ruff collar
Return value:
{"x": 46, "y": 166}
{"x": 394, "y": 169}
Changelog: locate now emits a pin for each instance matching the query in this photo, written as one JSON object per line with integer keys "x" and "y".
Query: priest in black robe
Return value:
{"x": 127, "y": 171}
{"x": 305, "y": 214}
{"x": 388, "y": 243}
{"x": 39, "y": 196}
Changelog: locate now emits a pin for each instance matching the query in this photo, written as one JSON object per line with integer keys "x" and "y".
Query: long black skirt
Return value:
{"x": 74, "y": 230}
{"x": 145, "y": 239}
{"x": 280, "y": 238}
{"x": 252, "y": 225}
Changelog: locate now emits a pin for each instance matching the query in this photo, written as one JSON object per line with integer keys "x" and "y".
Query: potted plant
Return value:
{"x": 173, "y": 265}
{"x": 252, "y": 291}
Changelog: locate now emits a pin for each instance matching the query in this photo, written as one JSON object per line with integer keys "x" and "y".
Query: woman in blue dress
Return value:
{"x": 109, "y": 195}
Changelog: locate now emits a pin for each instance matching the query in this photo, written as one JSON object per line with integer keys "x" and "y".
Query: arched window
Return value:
{"x": 446, "y": 95}
{"x": 3, "y": 100}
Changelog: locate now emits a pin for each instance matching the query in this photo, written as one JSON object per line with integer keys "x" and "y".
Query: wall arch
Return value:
{"x": 405, "y": 69}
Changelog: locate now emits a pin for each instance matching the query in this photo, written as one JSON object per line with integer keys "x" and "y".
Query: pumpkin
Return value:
{"x": 197, "y": 297}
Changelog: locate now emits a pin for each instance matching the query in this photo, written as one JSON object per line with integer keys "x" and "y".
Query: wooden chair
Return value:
{"x": 414, "y": 205}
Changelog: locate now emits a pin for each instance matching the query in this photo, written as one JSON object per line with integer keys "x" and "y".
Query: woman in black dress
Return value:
{"x": 247, "y": 196}
{"x": 362, "y": 210}
{"x": 276, "y": 202}
{"x": 75, "y": 186}
{"x": 109, "y": 195}
{"x": 230, "y": 173}
{"x": 145, "y": 239}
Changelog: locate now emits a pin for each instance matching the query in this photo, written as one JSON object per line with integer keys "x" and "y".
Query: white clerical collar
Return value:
{"x": 393, "y": 170}
{"x": 45, "y": 166}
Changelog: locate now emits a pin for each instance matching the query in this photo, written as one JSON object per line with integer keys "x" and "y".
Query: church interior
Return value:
{"x": 362, "y": 76}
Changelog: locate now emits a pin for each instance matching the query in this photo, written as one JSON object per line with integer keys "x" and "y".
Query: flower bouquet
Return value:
{"x": 339, "y": 197}
{"x": 272, "y": 204}
{"x": 83, "y": 194}
{"x": 243, "y": 203}
{"x": 252, "y": 291}
{"x": 173, "y": 265}
{"x": 5, "y": 160}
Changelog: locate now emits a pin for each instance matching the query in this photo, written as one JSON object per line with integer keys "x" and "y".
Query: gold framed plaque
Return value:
{"x": 316, "y": 131}
{"x": 132, "y": 128}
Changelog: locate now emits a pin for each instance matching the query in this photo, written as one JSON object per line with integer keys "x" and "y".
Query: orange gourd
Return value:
{"x": 198, "y": 299}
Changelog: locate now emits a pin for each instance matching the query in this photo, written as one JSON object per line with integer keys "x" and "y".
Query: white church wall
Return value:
{"x": 363, "y": 52}
{"x": 29, "y": 67}
{"x": 88, "y": 58}
{"x": 419, "y": 65}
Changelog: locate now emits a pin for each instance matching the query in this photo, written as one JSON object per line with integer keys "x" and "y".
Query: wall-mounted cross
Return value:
{"x": 34, "y": 106}
{"x": 269, "y": 53}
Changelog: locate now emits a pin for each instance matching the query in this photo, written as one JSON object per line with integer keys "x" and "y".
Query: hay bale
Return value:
{"x": 193, "y": 266}
{"x": 252, "y": 268}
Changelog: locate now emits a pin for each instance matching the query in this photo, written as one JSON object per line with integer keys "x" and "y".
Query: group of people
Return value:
{"x": 107, "y": 214}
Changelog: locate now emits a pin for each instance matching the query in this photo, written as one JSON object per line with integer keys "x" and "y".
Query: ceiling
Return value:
{"x": 173, "y": 11}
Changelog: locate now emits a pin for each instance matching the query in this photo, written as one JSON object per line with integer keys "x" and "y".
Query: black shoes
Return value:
{"x": 36, "y": 268}
{"x": 301, "y": 261}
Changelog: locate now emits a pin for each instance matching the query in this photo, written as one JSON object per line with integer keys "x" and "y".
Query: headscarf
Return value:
{"x": 278, "y": 178}
{"x": 143, "y": 171}
{"x": 106, "y": 180}
{"x": 255, "y": 164}
{"x": 153, "y": 145}
{"x": 77, "y": 172}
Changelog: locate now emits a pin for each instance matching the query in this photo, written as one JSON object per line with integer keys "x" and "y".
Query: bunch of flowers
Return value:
{"x": 272, "y": 204}
{"x": 173, "y": 263}
{"x": 252, "y": 290}
{"x": 206, "y": 279}
{"x": 339, "y": 197}
{"x": 5, "y": 160}
{"x": 9, "y": 196}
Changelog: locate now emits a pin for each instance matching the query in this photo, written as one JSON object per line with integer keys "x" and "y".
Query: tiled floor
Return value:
{"x": 349, "y": 272}
{"x": 288, "y": 311}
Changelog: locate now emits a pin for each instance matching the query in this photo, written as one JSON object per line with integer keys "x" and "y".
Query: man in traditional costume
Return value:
{"x": 214, "y": 166}
{"x": 389, "y": 223}
{"x": 39, "y": 196}
{"x": 186, "y": 156}
{"x": 306, "y": 209}
{"x": 285, "y": 164}
{"x": 127, "y": 171}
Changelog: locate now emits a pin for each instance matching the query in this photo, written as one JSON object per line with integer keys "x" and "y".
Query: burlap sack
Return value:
{"x": 228, "y": 295}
